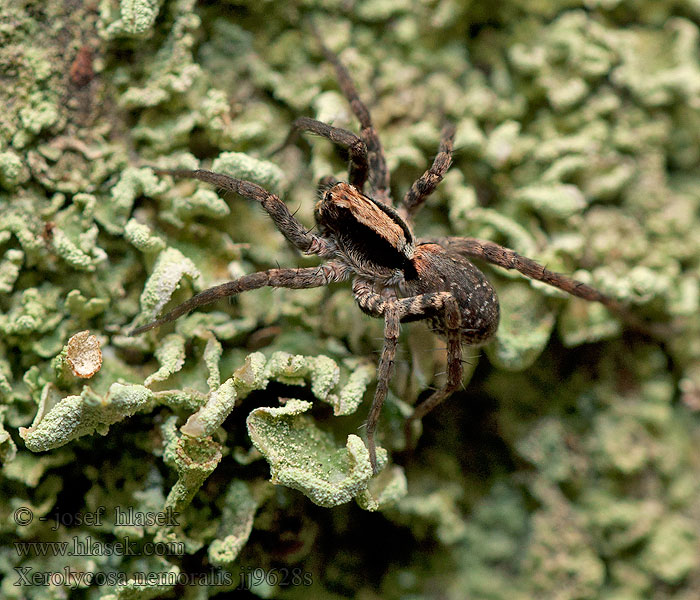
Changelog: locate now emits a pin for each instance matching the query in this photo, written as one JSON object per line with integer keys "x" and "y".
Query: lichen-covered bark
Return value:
{"x": 568, "y": 466}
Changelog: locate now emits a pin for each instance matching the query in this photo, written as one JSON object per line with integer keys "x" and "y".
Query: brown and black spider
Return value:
{"x": 394, "y": 275}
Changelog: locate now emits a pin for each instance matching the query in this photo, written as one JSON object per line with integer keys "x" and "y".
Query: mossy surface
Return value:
{"x": 567, "y": 468}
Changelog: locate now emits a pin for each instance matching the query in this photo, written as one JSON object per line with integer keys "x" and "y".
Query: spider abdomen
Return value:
{"x": 440, "y": 270}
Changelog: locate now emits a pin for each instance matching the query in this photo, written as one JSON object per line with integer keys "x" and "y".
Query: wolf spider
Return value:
{"x": 395, "y": 276}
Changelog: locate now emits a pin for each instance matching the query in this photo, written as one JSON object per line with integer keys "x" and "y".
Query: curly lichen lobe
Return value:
{"x": 243, "y": 166}
{"x": 136, "y": 18}
{"x": 305, "y": 458}
{"x": 59, "y": 421}
{"x": 170, "y": 267}
{"x": 236, "y": 524}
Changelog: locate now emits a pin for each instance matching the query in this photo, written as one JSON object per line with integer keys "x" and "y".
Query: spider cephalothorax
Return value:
{"x": 370, "y": 238}
{"x": 394, "y": 276}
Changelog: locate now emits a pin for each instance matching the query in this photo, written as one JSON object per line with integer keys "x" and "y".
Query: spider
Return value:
{"x": 395, "y": 276}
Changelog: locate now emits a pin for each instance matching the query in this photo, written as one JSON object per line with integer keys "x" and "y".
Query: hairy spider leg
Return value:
{"x": 384, "y": 373}
{"x": 292, "y": 229}
{"x": 394, "y": 310}
{"x": 357, "y": 149}
{"x": 378, "y": 172}
{"x": 510, "y": 259}
{"x": 426, "y": 183}
{"x": 308, "y": 277}
{"x": 453, "y": 322}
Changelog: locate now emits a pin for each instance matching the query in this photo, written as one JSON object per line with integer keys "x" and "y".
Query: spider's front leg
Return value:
{"x": 357, "y": 149}
{"x": 393, "y": 311}
{"x": 378, "y": 172}
{"x": 426, "y": 183}
{"x": 292, "y": 229}
{"x": 384, "y": 372}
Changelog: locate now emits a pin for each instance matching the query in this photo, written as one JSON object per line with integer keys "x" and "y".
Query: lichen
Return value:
{"x": 304, "y": 458}
{"x": 242, "y": 166}
{"x": 58, "y": 423}
{"x": 171, "y": 356}
{"x": 136, "y": 18}
{"x": 169, "y": 269}
{"x": 236, "y": 524}
{"x": 566, "y": 467}
{"x": 194, "y": 461}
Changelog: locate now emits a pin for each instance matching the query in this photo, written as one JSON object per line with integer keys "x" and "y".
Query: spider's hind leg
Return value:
{"x": 509, "y": 259}
{"x": 393, "y": 311}
{"x": 453, "y": 320}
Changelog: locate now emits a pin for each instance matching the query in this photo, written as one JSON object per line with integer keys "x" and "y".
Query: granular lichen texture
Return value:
{"x": 568, "y": 466}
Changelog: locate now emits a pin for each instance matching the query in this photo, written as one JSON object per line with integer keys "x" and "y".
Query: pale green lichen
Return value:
{"x": 136, "y": 18}
{"x": 321, "y": 371}
{"x": 209, "y": 418}
{"x": 194, "y": 461}
{"x": 303, "y": 457}
{"x": 21, "y": 224}
{"x": 31, "y": 469}
{"x": 524, "y": 329}
{"x": 352, "y": 393}
{"x": 672, "y": 553}
{"x": 257, "y": 371}
{"x": 385, "y": 490}
{"x": 71, "y": 252}
{"x": 140, "y": 588}
{"x": 564, "y": 556}
{"x": 559, "y": 200}
{"x": 170, "y": 72}
{"x": 141, "y": 237}
{"x": 582, "y": 323}
{"x": 436, "y": 509}
{"x": 40, "y": 113}
{"x": 8, "y": 449}
{"x": 169, "y": 269}
{"x": 76, "y": 416}
{"x": 212, "y": 355}
{"x": 484, "y": 220}
{"x": 658, "y": 80}
{"x": 204, "y": 203}
{"x": 171, "y": 356}
{"x": 9, "y": 270}
{"x": 236, "y": 524}
{"x": 12, "y": 170}
{"x": 577, "y": 145}
{"x": 242, "y": 166}
{"x": 114, "y": 215}
{"x": 86, "y": 308}
{"x": 35, "y": 313}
